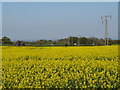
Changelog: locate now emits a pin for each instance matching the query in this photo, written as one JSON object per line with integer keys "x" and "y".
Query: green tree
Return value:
{"x": 83, "y": 40}
{"x": 41, "y": 42}
{"x": 6, "y": 40}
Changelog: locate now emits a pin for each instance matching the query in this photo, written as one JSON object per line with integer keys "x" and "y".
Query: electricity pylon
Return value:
{"x": 71, "y": 40}
{"x": 105, "y": 19}
{"x": 79, "y": 40}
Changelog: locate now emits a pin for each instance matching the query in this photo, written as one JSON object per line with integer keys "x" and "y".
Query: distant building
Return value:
{"x": 20, "y": 44}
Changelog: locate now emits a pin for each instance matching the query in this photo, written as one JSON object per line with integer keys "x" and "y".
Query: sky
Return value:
{"x": 0, "y": 19}
{"x": 119, "y": 21}
{"x": 55, "y": 20}
{"x": 60, "y": 0}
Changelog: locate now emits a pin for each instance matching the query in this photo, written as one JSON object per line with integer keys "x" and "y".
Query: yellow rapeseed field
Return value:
{"x": 60, "y": 67}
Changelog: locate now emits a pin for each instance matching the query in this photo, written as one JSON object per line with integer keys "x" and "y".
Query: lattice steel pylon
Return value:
{"x": 105, "y": 19}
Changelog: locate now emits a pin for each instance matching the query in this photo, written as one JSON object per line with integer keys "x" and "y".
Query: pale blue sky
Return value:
{"x": 50, "y": 20}
{"x": 0, "y": 19}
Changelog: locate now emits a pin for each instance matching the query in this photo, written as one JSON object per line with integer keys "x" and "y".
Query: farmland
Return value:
{"x": 60, "y": 67}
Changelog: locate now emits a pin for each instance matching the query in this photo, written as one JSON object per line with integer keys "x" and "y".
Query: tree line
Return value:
{"x": 70, "y": 41}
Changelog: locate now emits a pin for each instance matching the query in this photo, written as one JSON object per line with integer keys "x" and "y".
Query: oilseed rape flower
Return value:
{"x": 60, "y": 67}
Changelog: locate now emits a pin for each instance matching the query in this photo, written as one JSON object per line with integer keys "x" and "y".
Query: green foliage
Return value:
{"x": 70, "y": 41}
{"x": 6, "y": 40}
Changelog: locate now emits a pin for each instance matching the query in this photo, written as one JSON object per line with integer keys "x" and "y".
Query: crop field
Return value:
{"x": 60, "y": 67}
